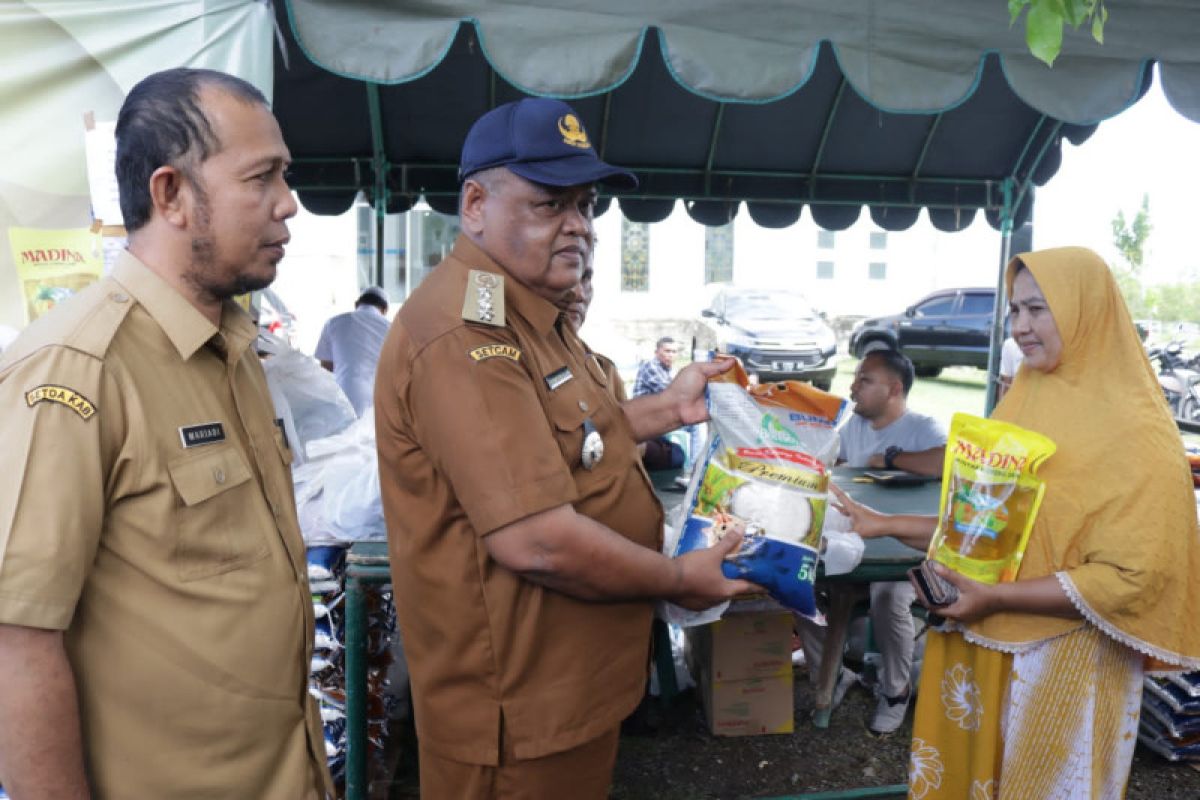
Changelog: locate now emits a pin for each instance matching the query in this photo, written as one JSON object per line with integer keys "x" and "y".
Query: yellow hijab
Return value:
{"x": 1119, "y": 514}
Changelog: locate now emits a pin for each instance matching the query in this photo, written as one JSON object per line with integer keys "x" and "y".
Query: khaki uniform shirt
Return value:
{"x": 149, "y": 515}
{"x": 473, "y": 437}
{"x": 615, "y": 384}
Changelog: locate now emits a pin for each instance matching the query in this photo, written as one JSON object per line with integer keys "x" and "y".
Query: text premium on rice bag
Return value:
{"x": 990, "y": 497}
{"x": 765, "y": 472}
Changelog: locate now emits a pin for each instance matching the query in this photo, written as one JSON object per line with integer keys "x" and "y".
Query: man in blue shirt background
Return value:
{"x": 653, "y": 377}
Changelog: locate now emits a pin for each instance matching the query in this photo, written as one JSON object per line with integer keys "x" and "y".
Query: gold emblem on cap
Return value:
{"x": 484, "y": 301}
{"x": 572, "y": 131}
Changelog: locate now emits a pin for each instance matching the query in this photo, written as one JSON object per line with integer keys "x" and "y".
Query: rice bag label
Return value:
{"x": 765, "y": 474}
{"x": 990, "y": 497}
{"x": 798, "y": 470}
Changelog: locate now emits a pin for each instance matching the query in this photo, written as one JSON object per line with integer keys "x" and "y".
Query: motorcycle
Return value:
{"x": 1179, "y": 378}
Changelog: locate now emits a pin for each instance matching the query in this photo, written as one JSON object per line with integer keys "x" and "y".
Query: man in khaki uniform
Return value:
{"x": 155, "y": 621}
{"x": 524, "y": 536}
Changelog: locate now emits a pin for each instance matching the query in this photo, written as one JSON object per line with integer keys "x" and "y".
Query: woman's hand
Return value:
{"x": 975, "y": 600}
{"x": 914, "y": 530}
{"x": 864, "y": 520}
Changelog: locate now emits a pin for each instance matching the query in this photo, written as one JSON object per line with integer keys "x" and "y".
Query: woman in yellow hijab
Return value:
{"x": 1033, "y": 688}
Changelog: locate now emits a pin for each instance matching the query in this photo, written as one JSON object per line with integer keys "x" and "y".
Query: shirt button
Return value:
{"x": 583, "y": 406}
{"x": 218, "y": 475}
{"x": 118, "y": 297}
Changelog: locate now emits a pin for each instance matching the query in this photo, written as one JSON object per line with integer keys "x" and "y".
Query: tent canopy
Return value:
{"x": 893, "y": 104}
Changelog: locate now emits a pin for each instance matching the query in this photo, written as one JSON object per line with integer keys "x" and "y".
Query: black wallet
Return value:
{"x": 935, "y": 590}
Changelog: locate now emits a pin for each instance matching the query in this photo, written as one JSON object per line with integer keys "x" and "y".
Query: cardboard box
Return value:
{"x": 742, "y": 646}
{"x": 750, "y": 707}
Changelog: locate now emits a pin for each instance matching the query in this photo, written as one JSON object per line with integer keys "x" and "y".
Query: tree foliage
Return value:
{"x": 1130, "y": 237}
{"x": 1167, "y": 302}
{"x": 1045, "y": 19}
{"x": 1130, "y": 240}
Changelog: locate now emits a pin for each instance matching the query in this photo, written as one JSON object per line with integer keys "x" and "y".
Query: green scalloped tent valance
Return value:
{"x": 905, "y": 56}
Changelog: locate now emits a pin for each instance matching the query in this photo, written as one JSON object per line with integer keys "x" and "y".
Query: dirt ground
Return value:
{"x": 667, "y": 754}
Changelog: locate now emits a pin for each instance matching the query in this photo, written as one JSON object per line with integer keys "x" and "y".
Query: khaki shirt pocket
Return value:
{"x": 215, "y": 531}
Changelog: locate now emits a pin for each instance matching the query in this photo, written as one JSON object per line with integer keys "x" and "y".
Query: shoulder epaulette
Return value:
{"x": 484, "y": 298}
{"x": 86, "y": 322}
{"x": 96, "y": 330}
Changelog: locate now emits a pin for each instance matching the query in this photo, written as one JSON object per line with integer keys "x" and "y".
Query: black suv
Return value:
{"x": 948, "y": 328}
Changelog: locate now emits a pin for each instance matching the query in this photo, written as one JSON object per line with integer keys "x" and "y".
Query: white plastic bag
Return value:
{"x": 318, "y": 406}
{"x": 841, "y": 548}
{"x": 683, "y": 677}
{"x": 337, "y": 489}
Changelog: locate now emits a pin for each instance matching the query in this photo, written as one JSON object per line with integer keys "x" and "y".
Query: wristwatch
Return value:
{"x": 889, "y": 456}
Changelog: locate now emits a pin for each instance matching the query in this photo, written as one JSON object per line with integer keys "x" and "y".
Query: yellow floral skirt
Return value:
{"x": 1057, "y": 721}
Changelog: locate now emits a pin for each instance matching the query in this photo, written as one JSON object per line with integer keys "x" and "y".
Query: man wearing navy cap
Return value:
{"x": 524, "y": 535}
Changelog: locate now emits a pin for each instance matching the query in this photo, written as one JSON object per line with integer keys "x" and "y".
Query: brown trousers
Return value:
{"x": 582, "y": 773}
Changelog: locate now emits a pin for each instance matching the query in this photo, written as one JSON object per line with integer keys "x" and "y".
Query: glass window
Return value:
{"x": 824, "y": 270}
{"x": 978, "y": 303}
{"x": 877, "y": 271}
{"x": 366, "y": 245}
{"x": 936, "y": 307}
{"x": 825, "y": 240}
{"x": 718, "y": 254}
{"x": 635, "y": 256}
{"x": 431, "y": 237}
{"x": 878, "y": 240}
{"x": 413, "y": 244}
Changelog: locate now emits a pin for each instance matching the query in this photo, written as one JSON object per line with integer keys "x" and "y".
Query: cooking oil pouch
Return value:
{"x": 765, "y": 472}
{"x": 990, "y": 497}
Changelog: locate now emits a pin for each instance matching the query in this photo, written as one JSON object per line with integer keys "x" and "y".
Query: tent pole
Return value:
{"x": 1001, "y": 309}
{"x": 380, "y": 164}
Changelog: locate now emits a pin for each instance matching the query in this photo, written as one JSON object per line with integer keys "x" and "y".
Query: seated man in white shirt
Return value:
{"x": 884, "y": 433}
{"x": 350, "y": 343}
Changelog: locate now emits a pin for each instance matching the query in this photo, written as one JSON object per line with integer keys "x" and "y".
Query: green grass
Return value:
{"x": 956, "y": 389}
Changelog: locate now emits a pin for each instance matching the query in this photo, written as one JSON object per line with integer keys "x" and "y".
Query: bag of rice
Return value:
{"x": 990, "y": 497}
{"x": 765, "y": 472}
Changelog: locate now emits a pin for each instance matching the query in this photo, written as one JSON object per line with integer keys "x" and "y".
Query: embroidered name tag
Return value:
{"x": 198, "y": 435}
{"x": 558, "y": 378}
{"x": 495, "y": 351}
{"x": 51, "y": 393}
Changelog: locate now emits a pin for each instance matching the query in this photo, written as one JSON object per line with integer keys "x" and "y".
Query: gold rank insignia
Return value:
{"x": 572, "y": 132}
{"x": 484, "y": 301}
{"x": 496, "y": 350}
{"x": 51, "y": 393}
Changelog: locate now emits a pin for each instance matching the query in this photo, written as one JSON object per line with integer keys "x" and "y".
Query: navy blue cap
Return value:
{"x": 541, "y": 140}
